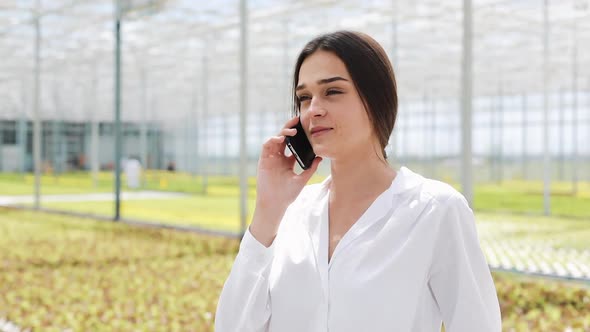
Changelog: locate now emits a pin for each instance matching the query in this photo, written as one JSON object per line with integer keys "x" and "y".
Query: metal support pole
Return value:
{"x": 394, "y": 39}
{"x": 287, "y": 76}
{"x": 143, "y": 130}
{"x": 561, "y": 120}
{"x": 524, "y": 136}
{"x": 55, "y": 147}
{"x": 243, "y": 112}
{"x": 500, "y": 114}
{"x": 22, "y": 141}
{"x": 433, "y": 139}
{"x": 405, "y": 134}
{"x": 94, "y": 130}
{"x": 575, "y": 158}
{"x": 262, "y": 116}
{"x": 63, "y": 147}
{"x": 23, "y": 128}
{"x": 118, "y": 153}
{"x": 185, "y": 138}
{"x": 36, "y": 107}
{"x": 546, "y": 152}
{"x": 467, "y": 103}
{"x": 400, "y": 152}
{"x": 157, "y": 138}
{"x": 424, "y": 127}
{"x": 226, "y": 159}
{"x": 493, "y": 119}
{"x": 394, "y": 59}
{"x": 205, "y": 131}
{"x": 194, "y": 136}
{"x": 94, "y": 143}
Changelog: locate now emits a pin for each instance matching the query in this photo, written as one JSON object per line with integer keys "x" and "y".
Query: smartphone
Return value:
{"x": 301, "y": 147}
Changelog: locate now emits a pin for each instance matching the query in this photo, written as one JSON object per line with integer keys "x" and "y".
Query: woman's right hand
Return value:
{"x": 277, "y": 185}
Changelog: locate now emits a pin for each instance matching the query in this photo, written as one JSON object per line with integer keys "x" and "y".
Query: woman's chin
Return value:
{"x": 322, "y": 152}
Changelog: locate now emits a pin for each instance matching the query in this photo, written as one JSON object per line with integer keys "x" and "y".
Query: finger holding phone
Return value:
{"x": 277, "y": 184}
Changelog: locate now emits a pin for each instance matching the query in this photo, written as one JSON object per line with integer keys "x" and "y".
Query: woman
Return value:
{"x": 368, "y": 249}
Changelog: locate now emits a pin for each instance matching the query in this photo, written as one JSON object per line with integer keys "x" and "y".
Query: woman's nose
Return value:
{"x": 316, "y": 108}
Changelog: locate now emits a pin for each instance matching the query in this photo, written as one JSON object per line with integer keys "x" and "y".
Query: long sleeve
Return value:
{"x": 244, "y": 304}
{"x": 460, "y": 279}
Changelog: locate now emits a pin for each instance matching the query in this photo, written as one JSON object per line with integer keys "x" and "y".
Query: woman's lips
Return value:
{"x": 319, "y": 132}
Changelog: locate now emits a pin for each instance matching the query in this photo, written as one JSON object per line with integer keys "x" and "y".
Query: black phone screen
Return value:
{"x": 301, "y": 147}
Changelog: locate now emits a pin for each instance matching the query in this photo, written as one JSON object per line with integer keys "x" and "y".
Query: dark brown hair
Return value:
{"x": 370, "y": 70}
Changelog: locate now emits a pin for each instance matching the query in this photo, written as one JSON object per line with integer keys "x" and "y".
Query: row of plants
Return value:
{"x": 533, "y": 230}
{"x": 59, "y": 273}
{"x": 62, "y": 273}
{"x": 508, "y": 196}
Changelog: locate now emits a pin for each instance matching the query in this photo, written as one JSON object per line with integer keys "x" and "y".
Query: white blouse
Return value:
{"x": 410, "y": 262}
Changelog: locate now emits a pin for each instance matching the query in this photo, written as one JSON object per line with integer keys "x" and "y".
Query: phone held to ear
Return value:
{"x": 301, "y": 147}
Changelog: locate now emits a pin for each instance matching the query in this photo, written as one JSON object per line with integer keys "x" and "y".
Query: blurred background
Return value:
{"x": 152, "y": 113}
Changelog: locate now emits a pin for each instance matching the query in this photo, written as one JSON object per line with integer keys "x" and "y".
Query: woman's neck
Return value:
{"x": 365, "y": 175}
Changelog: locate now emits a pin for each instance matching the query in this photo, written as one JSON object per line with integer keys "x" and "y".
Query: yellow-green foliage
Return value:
{"x": 59, "y": 273}
{"x": 515, "y": 196}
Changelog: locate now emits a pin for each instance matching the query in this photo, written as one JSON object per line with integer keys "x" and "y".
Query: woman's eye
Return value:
{"x": 302, "y": 98}
{"x": 332, "y": 92}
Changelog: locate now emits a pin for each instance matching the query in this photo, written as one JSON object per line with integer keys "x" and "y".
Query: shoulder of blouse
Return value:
{"x": 440, "y": 192}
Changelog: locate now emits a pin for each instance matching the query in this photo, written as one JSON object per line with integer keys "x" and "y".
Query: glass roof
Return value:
{"x": 175, "y": 52}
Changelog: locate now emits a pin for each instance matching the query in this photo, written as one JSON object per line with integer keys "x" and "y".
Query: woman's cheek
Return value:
{"x": 304, "y": 118}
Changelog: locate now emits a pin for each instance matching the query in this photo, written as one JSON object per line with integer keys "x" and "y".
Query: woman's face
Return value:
{"x": 332, "y": 112}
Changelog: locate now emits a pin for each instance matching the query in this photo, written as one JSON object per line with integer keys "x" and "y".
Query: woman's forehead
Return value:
{"x": 321, "y": 65}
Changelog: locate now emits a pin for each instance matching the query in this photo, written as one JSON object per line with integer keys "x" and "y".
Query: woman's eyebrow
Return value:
{"x": 323, "y": 81}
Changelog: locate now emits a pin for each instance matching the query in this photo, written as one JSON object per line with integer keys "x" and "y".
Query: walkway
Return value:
{"x": 93, "y": 197}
